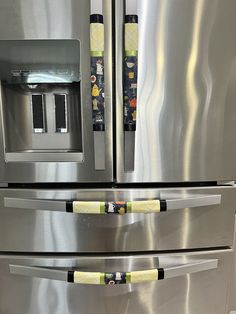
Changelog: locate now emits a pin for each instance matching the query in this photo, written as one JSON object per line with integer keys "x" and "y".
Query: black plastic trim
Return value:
{"x": 161, "y": 274}
{"x": 98, "y": 127}
{"x": 69, "y": 207}
{"x": 96, "y": 18}
{"x": 163, "y": 206}
{"x": 70, "y": 276}
{"x": 130, "y": 127}
{"x": 131, "y": 19}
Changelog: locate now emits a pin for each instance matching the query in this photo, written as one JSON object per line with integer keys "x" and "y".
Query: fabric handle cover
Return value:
{"x": 97, "y": 42}
{"x": 130, "y": 72}
{"x": 121, "y": 208}
{"x": 115, "y": 278}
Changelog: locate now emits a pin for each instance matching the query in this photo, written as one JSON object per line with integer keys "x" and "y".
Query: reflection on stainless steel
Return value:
{"x": 158, "y": 54}
{"x": 185, "y": 116}
{"x": 208, "y": 80}
{"x": 167, "y": 296}
{"x": 50, "y": 13}
{"x": 192, "y": 96}
{"x": 185, "y": 228}
{"x": 232, "y": 303}
{"x": 188, "y": 296}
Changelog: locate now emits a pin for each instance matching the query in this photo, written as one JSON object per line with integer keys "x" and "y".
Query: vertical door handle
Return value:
{"x": 130, "y": 72}
{"x": 130, "y": 82}
{"x": 97, "y": 44}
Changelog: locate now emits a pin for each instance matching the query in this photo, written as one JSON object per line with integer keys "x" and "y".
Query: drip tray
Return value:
{"x": 45, "y": 156}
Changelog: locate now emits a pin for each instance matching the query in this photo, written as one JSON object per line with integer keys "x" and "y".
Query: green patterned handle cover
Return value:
{"x": 130, "y": 72}
{"x": 120, "y": 208}
{"x": 97, "y": 42}
{"x": 115, "y": 278}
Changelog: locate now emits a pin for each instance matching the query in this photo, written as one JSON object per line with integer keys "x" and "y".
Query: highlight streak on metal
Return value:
{"x": 208, "y": 82}
{"x": 188, "y": 296}
{"x": 145, "y": 133}
{"x": 191, "y": 89}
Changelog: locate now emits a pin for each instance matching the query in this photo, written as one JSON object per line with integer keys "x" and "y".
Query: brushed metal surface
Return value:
{"x": 61, "y": 19}
{"x": 96, "y": 6}
{"x": 204, "y": 292}
{"x": 99, "y": 150}
{"x": 131, "y": 6}
{"x": 186, "y": 91}
{"x": 232, "y": 304}
{"x": 30, "y": 230}
{"x": 22, "y": 144}
{"x": 39, "y": 156}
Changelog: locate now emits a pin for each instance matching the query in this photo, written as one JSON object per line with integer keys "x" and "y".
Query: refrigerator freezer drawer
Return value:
{"x": 116, "y": 220}
{"x": 190, "y": 283}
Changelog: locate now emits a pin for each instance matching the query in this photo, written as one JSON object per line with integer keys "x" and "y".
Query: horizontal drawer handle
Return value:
{"x": 114, "y": 278}
{"x": 97, "y": 207}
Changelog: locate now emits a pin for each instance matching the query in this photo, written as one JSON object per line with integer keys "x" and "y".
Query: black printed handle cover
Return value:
{"x": 97, "y": 71}
{"x": 130, "y": 72}
{"x": 115, "y": 278}
{"x": 120, "y": 208}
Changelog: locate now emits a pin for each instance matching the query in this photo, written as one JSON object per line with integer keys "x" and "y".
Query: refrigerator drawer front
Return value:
{"x": 116, "y": 220}
{"x": 191, "y": 283}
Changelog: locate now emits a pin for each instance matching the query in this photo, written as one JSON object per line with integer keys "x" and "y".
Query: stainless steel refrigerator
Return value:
{"x": 117, "y": 152}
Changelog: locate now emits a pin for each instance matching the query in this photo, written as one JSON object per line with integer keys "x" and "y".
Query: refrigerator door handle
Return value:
{"x": 97, "y": 48}
{"x": 130, "y": 84}
{"x": 118, "y": 207}
{"x": 114, "y": 278}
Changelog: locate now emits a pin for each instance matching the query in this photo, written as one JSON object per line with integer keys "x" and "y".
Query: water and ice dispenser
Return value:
{"x": 41, "y": 100}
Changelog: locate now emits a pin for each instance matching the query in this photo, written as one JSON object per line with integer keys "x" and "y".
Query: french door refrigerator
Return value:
{"x": 117, "y": 149}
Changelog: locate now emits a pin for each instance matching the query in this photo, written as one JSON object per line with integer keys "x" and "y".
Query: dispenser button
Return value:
{"x": 38, "y": 112}
{"x": 61, "y": 113}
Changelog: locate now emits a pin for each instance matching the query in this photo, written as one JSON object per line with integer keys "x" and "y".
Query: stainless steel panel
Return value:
{"x": 232, "y": 304}
{"x": 23, "y": 145}
{"x": 99, "y": 147}
{"x": 61, "y": 19}
{"x": 26, "y": 229}
{"x": 39, "y": 156}
{"x": 186, "y": 91}
{"x": 203, "y": 292}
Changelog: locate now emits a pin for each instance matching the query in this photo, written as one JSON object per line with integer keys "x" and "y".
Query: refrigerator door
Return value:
{"x": 175, "y": 90}
{"x": 166, "y": 283}
{"x": 119, "y": 220}
{"x": 55, "y": 79}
